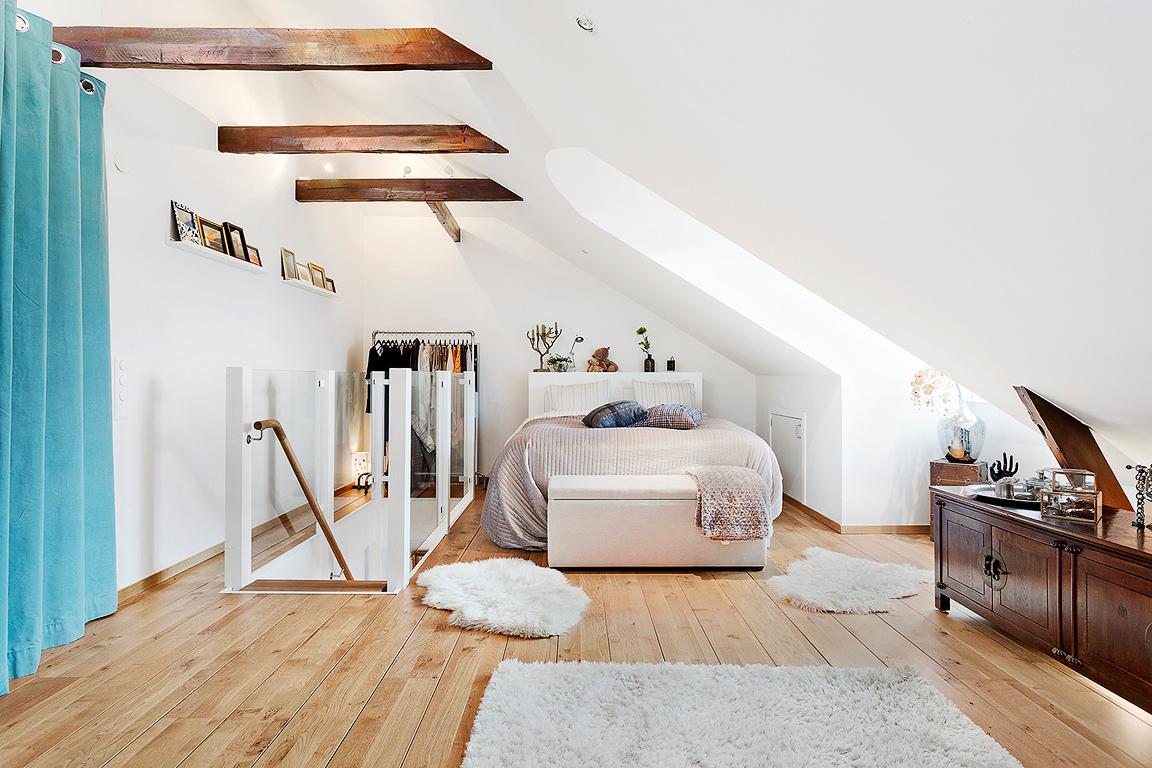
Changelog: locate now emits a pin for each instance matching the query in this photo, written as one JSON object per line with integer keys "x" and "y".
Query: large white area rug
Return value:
{"x": 580, "y": 714}
{"x": 506, "y": 595}
{"x": 830, "y": 581}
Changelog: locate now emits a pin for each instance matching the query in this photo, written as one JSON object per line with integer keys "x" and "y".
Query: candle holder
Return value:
{"x": 541, "y": 337}
{"x": 1143, "y": 492}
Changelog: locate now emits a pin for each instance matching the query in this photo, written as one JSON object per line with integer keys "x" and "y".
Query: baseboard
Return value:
{"x": 132, "y": 591}
{"x": 849, "y": 530}
{"x": 135, "y": 589}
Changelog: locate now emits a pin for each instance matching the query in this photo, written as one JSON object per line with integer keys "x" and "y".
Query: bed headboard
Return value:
{"x": 619, "y": 384}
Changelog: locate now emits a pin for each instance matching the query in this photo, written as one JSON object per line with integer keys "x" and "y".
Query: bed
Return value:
{"x": 553, "y": 441}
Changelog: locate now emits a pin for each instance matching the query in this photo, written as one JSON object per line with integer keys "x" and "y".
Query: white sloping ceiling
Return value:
{"x": 970, "y": 180}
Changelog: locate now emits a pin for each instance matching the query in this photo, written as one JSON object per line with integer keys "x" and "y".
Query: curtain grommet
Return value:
{"x": 57, "y": 55}
{"x": 87, "y": 85}
{"x": 22, "y": 24}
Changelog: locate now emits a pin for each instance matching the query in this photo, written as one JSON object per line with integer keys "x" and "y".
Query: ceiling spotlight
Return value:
{"x": 328, "y": 167}
{"x": 585, "y": 24}
{"x": 449, "y": 170}
{"x": 407, "y": 171}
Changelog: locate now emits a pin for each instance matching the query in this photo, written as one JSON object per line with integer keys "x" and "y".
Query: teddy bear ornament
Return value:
{"x": 599, "y": 362}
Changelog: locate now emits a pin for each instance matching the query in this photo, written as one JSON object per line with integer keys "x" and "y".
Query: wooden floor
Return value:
{"x": 187, "y": 676}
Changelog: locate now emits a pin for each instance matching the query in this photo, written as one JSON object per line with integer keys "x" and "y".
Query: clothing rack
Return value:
{"x": 439, "y": 335}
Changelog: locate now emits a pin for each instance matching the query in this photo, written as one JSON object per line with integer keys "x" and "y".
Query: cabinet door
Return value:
{"x": 965, "y": 547}
{"x": 1026, "y": 584}
{"x": 1114, "y": 618}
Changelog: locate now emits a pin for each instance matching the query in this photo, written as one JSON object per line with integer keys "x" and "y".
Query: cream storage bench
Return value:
{"x": 635, "y": 521}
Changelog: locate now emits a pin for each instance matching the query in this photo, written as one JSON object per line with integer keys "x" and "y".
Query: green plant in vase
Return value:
{"x": 646, "y": 347}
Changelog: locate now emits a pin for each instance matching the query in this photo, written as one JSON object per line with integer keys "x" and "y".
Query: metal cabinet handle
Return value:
{"x": 988, "y": 565}
{"x": 998, "y": 569}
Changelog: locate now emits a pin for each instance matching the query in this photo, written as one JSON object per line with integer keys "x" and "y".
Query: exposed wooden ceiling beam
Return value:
{"x": 320, "y": 139}
{"x": 403, "y": 190}
{"x": 267, "y": 49}
{"x": 447, "y": 220}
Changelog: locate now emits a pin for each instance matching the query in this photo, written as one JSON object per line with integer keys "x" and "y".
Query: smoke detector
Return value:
{"x": 585, "y": 24}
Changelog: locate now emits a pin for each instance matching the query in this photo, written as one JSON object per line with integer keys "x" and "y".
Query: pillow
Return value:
{"x": 651, "y": 393}
{"x": 576, "y": 397}
{"x": 620, "y": 413}
{"x": 672, "y": 416}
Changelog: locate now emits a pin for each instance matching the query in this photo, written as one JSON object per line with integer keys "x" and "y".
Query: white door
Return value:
{"x": 786, "y": 436}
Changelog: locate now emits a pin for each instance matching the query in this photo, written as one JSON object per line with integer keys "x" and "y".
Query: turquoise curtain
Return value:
{"x": 57, "y": 512}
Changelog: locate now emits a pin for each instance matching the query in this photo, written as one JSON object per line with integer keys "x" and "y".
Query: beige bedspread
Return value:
{"x": 516, "y": 506}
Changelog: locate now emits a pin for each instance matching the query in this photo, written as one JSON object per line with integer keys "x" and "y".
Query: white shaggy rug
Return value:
{"x": 506, "y": 595}
{"x": 830, "y": 581}
{"x": 581, "y": 714}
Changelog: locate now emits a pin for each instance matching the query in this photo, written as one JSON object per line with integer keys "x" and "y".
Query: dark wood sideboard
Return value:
{"x": 1082, "y": 593}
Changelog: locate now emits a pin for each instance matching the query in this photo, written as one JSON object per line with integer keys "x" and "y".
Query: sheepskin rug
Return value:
{"x": 505, "y": 595}
{"x": 580, "y": 714}
{"x": 830, "y": 581}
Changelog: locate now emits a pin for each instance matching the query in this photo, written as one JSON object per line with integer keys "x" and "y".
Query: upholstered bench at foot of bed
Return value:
{"x": 635, "y": 521}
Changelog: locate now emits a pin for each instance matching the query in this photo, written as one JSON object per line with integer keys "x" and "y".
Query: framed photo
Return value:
{"x": 185, "y": 223}
{"x": 319, "y": 279}
{"x": 237, "y": 245}
{"x": 302, "y": 272}
{"x": 212, "y": 235}
{"x": 254, "y": 255}
{"x": 287, "y": 264}
{"x": 331, "y": 285}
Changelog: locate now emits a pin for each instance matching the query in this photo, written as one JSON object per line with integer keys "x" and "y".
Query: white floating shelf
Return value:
{"x": 211, "y": 255}
{"x": 304, "y": 286}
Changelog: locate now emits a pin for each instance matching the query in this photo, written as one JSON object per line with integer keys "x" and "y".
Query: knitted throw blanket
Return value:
{"x": 731, "y": 503}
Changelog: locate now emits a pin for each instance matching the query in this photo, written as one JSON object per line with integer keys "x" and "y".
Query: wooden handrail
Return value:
{"x": 321, "y": 521}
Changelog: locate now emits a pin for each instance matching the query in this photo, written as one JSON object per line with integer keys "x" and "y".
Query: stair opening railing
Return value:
{"x": 321, "y": 521}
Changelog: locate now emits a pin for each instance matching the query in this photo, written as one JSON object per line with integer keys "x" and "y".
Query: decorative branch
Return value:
{"x": 541, "y": 338}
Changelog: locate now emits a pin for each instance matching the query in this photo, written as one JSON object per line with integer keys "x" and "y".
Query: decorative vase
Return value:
{"x": 649, "y": 364}
{"x": 961, "y": 434}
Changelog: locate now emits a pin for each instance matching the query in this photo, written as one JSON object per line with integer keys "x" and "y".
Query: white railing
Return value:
{"x": 377, "y": 537}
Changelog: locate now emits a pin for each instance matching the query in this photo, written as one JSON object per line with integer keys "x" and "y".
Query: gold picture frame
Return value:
{"x": 319, "y": 277}
{"x": 212, "y": 235}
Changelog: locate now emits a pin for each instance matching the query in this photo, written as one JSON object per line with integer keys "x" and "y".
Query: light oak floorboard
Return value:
{"x": 185, "y": 675}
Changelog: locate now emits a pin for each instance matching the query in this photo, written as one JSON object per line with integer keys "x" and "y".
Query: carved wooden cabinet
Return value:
{"x": 1084, "y": 594}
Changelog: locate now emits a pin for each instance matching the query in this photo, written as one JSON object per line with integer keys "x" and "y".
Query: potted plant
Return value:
{"x": 646, "y": 346}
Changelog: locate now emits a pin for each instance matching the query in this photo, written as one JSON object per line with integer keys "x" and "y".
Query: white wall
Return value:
{"x": 816, "y": 399}
{"x": 499, "y": 283}
{"x": 178, "y": 320}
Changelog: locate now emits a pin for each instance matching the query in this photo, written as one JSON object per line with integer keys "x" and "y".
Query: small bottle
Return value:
{"x": 672, "y": 363}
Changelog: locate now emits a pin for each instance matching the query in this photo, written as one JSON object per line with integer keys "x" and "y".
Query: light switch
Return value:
{"x": 119, "y": 389}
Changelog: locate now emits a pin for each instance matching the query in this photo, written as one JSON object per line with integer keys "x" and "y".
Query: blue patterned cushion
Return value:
{"x": 620, "y": 413}
{"x": 672, "y": 416}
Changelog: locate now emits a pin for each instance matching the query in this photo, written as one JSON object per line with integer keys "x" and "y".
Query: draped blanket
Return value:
{"x": 516, "y": 505}
{"x": 731, "y": 503}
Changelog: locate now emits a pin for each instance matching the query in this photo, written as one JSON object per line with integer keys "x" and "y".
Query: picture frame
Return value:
{"x": 302, "y": 273}
{"x": 254, "y": 256}
{"x": 330, "y": 284}
{"x": 212, "y": 235}
{"x": 319, "y": 277}
{"x": 185, "y": 218}
{"x": 287, "y": 264}
{"x": 237, "y": 245}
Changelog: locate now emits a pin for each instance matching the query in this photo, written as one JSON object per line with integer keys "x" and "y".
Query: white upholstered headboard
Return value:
{"x": 619, "y": 385}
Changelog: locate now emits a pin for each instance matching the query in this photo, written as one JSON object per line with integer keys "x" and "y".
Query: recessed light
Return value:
{"x": 585, "y": 24}
{"x": 328, "y": 167}
{"x": 407, "y": 171}
{"x": 449, "y": 170}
